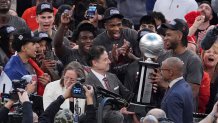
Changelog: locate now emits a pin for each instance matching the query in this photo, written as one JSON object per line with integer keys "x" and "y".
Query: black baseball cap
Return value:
{"x": 177, "y": 24}
{"x": 112, "y": 12}
{"x": 43, "y": 36}
{"x": 6, "y": 30}
{"x": 23, "y": 36}
{"x": 44, "y": 7}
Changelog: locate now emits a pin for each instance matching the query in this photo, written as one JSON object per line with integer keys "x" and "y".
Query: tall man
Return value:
{"x": 177, "y": 102}
{"x": 7, "y": 19}
{"x": 118, "y": 42}
{"x": 176, "y": 43}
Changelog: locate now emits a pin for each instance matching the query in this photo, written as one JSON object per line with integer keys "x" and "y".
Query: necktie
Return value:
{"x": 106, "y": 82}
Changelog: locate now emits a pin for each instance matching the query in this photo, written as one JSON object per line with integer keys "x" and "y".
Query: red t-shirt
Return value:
{"x": 204, "y": 93}
{"x": 29, "y": 16}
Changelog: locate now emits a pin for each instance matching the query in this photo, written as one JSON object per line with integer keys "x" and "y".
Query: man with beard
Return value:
{"x": 202, "y": 22}
{"x": 7, "y": 19}
{"x": 176, "y": 43}
{"x": 84, "y": 35}
{"x": 118, "y": 42}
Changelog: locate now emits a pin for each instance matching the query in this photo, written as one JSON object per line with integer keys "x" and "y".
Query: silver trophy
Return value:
{"x": 151, "y": 45}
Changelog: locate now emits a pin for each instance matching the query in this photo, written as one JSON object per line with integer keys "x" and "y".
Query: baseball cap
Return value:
{"x": 23, "y": 36}
{"x": 43, "y": 36}
{"x": 177, "y": 24}
{"x": 6, "y": 30}
{"x": 44, "y": 7}
{"x": 112, "y": 12}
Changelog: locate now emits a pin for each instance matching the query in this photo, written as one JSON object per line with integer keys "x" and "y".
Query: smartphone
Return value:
{"x": 49, "y": 55}
{"x": 91, "y": 11}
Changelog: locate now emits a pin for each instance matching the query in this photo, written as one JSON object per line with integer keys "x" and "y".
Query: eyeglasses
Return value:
{"x": 69, "y": 79}
{"x": 164, "y": 69}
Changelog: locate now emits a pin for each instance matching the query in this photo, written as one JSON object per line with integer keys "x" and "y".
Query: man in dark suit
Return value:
{"x": 100, "y": 63}
{"x": 177, "y": 102}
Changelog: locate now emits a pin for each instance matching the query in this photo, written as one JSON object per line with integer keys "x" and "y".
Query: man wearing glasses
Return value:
{"x": 177, "y": 102}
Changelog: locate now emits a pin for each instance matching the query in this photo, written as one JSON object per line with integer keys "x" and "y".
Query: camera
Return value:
{"x": 15, "y": 84}
{"x": 19, "y": 84}
{"x": 77, "y": 90}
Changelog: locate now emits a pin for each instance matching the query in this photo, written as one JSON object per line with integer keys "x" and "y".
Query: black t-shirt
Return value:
{"x": 70, "y": 55}
{"x": 128, "y": 34}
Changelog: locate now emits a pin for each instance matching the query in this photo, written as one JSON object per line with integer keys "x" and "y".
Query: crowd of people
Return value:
{"x": 55, "y": 44}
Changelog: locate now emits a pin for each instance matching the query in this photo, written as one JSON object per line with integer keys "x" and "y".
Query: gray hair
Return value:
{"x": 113, "y": 117}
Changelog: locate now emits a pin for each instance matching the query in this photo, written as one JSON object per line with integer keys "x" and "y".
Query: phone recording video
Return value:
{"x": 91, "y": 11}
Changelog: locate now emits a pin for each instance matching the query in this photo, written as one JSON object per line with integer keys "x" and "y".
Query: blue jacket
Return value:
{"x": 15, "y": 68}
{"x": 178, "y": 103}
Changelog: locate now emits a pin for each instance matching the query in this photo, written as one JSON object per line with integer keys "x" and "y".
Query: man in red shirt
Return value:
{"x": 29, "y": 15}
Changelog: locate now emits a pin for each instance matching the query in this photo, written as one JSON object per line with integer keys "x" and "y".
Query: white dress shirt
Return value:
{"x": 100, "y": 77}
{"x": 175, "y": 81}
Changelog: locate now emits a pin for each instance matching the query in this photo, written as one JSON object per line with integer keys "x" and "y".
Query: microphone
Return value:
{"x": 209, "y": 38}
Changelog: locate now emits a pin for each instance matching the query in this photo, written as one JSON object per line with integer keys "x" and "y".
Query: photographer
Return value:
{"x": 27, "y": 108}
{"x": 53, "y": 108}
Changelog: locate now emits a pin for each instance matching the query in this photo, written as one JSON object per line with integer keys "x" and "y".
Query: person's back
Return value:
{"x": 175, "y": 9}
{"x": 17, "y": 22}
{"x": 126, "y": 8}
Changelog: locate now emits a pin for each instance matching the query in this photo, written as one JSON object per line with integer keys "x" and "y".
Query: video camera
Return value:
{"x": 15, "y": 84}
{"x": 117, "y": 99}
{"x": 77, "y": 90}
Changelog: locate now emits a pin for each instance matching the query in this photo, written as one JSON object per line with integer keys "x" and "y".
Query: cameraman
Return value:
{"x": 53, "y": 108}
{"x": 27, "y": 108}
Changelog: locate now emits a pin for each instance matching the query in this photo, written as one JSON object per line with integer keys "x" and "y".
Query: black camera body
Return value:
{"x": 77, "y": 90}
{"x": 15, "y": 84}
{"x": 19, "y": 84}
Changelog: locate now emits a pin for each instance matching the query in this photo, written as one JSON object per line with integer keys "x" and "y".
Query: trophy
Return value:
{"x": 151, "y": 46}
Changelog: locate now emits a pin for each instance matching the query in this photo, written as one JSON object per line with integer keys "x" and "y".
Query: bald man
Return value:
{"x": 157, "y": 113}
{"x": 177, "y": 102}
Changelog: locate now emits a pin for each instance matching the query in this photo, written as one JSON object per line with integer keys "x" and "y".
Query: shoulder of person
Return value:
{"x": 129, "y": 32}
{"x": 192, "y": 56}
{"x": 53, "y": 84}
{"x": 99, "y": 37}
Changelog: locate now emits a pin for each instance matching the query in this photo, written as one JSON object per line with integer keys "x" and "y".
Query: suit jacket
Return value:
{"x": 178, "y": 102}
{"x": 115, "y": 85}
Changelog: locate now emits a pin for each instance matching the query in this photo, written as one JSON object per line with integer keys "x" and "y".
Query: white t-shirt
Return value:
{"x": 175, "y": 8}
